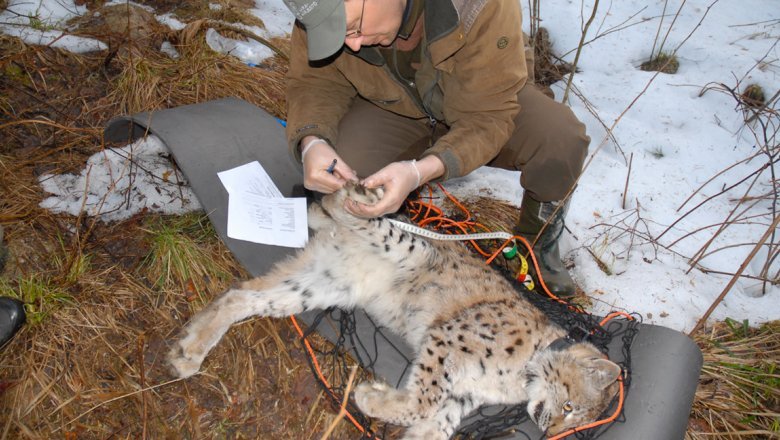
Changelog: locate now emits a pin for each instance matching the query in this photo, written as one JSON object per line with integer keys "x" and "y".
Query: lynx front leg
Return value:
{"x": 276, "y": 296}
{"x": 208, "y": 326}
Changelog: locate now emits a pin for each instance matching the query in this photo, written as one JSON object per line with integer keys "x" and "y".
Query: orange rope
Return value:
{"x": 319, "y": 371}
{"x": 618, "y": 409}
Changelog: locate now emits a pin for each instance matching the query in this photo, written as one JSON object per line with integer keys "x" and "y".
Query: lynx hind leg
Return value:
{"x": 443, "y": 423}
{"x": 428, "y": 385}
{"x": 269, "y": 296}
{"x": 381, "y": 401}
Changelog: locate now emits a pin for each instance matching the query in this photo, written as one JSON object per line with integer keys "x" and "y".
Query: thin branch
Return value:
{"x": 142, "y": 390}
{"x": 723, "y": 191}
{"x": 617, "y": 28}
{"x": 736, "y": 276}
{"x": 628, "y": 177}
{"x": 700, "y": 253}
{"x": 671, "y": 26}
{"x": 718, "y": 174}
{"x": 579, "y": 51}
{"x": 343, "y": 408}
{"x": 658, "y": 32}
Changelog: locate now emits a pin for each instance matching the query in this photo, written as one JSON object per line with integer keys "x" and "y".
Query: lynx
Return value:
{"x": 476, "y": 340}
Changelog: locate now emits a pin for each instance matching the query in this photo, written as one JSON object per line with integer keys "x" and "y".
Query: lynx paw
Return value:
{"x": 371, "y": 397}
{"x": 384, "y": 402}
{"x": 182, "y": 365}
{"x": 427, "y": 430}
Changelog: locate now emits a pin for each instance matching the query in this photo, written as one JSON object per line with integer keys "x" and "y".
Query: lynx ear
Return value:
{"x": 602, "y": 372}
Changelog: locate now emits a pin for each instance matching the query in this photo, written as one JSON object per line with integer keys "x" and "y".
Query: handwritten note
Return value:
{"x": 258, "y": 212}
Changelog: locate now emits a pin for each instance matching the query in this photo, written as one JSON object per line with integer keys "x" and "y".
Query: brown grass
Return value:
{"x": 154, "y": 81}
{"x": 739, "y": 389}
{"x": 106, "y": 301}
{"x": 666, "y": 63}
{"x": 102, "y": 303}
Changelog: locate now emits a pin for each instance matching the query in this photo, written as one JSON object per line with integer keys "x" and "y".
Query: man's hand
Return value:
{"x": 323, "y": 169}
{"x": 398, "y": 179}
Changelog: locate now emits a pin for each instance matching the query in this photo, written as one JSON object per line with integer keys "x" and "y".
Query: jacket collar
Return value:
{"x": 443, "y": 22}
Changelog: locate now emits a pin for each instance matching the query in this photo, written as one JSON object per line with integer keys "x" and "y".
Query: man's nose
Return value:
{"x": 354, "y": 43}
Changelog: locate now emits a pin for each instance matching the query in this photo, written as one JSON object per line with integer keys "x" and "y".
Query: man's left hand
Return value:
{"x": 398, "y": 179}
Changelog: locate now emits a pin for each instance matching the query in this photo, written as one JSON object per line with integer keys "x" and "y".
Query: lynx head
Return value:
{"x": 570, "y": 387}
{"x": 333, "y": 203}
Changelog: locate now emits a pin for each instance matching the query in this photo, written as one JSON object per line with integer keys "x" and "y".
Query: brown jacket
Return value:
{"x": 473, "y": 66}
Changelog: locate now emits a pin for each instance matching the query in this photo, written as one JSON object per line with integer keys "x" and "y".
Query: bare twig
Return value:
{"x": 658, "y": 32}
{"x": 719, "y": 173}
{"x": 671, "y": 26}
{"x": 591, "y": 109}
{"x": 142, "y": 390}
{"x": 535, "y": 18}
{"x": 579, "y": 51}
{"x": 251, "y": 35}
{"x": 754, "y": 174}
{"x": 736, "y": 276}
{"x": 617, "y": 28}
{"x": 142, "y": 368}
{"x": 343, "y": 410}
{"x": 628, "y": 177}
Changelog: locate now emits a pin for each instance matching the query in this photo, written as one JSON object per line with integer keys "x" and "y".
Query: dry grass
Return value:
{"x": 104, "y": 299}
{"x": 739, "y": 389}
{"x": 154, "y": 80}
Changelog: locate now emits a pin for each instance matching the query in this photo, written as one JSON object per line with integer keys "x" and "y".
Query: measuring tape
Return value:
{"x": 414, "y": 229}
{"x": 522, "y": 274}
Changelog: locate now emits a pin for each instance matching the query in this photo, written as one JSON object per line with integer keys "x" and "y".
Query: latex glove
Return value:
{"x": 318, "y": 158}
{"x": 398, "y": 179}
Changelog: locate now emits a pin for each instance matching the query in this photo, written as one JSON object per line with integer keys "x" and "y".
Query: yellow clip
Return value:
{"x": 522, "y": 274}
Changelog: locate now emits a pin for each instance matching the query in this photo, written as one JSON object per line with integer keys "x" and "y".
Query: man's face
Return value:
{"x": 372, "y": 22}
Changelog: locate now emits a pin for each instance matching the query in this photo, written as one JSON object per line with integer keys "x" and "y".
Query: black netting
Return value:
{"x": 490, "y": 422}
{"x": 348, "y": 347}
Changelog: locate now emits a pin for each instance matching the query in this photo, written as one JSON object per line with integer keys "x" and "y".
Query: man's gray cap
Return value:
{"x": 325, "y": 22}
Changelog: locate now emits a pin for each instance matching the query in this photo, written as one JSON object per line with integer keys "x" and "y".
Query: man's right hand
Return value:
{"x": 319, "y": 172}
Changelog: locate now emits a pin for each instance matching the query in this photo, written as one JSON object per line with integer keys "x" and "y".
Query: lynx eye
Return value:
{"x": 567, "y": 408}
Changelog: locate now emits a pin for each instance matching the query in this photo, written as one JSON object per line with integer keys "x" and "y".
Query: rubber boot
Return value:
{"x": 533, "y": 215}
{"x": 11, "y": 318}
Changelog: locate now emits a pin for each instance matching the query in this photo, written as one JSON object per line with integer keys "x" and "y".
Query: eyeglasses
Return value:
{"x": 357, "y": 32}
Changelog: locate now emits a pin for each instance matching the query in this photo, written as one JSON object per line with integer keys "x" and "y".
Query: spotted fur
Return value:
{"x": 477, "y": 342}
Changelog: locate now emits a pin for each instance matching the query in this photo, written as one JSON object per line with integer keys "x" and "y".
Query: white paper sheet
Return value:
{"x": 249, "y": 178}
{"x": 257, "y": 212}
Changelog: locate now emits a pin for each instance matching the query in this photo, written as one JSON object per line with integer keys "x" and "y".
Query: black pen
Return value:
{"x": 332, "y": 166}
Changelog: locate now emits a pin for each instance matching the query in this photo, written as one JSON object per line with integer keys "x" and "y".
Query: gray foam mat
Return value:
{"x": 214, "y": 136}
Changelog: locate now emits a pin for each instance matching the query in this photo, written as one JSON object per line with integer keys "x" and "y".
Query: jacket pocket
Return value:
{"x": 384, "y": 101}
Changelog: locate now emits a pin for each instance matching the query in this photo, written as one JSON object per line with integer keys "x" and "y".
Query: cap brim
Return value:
{"x": 327, "y": 38}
